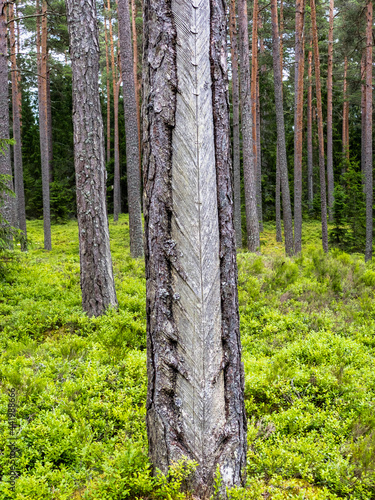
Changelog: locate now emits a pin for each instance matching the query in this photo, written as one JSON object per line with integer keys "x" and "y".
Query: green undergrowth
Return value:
{"x": 308, "y": 336}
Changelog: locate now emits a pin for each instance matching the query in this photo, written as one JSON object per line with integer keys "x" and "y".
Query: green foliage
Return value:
{"x": 349, "y": 231}
{"x": 307, "y": 328}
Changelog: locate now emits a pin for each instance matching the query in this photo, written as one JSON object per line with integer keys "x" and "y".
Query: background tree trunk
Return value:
{"x": 195, "y": 389}
{"x": 298, "y": 124}
{"x": 135, "y": 69}
{"x": 116, "y": 180}
{"x": 330, "y": 180}
{"x": 236, "y": 124}
{"x": 368, "y": 140}
{"x": 363, "y": 117}
{"x": 277, "y": 69}
{"x": 279, "y": 233}
{"x": 131, "y": 132}
{"x": 323, "y": 195}
{"x": 97, "y": 284}
{"x": 18, "y": 170}
{"x": 43, "y": 121}
{"x": 310, "y": 183}
{"x": 8, "y": 206}
{"x": 249, "y": 161}
{"x": 108, "y": 90}
{"x": 49, "y": 126}
{"x": 345, "y": 116}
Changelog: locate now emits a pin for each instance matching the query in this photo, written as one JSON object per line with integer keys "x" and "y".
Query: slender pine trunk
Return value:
{"x": 310, "y": 181}
{"x": 298, "y": 124}
{"x": 345, "y": 116}
{"x": 323, "y": 193}
{"x": 108, "y": 90}
{"x": 368, "y": 140}
{"x": 249, "y": 161}
{"x": 330, "y": 179}
{"x": 287, "y": 211}
{"x": 135, "y": 69}
{"x": 279, "y": 233}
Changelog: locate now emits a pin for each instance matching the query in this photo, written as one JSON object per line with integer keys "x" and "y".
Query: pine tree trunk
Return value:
{"x": 236, "y": 125}
{"x": 18, "y": 169}
{"x": 49, "y": 126}
{"x": 116, "y": 180}
{"x": 330, "y": 180}
{"x": 135, "y": 69}
{"x": 131, "y": 132}
{"x": 108, "y": 91}
{"x": 310, "y": 181}
{"x": 368, "y": 140}
{"x": 323, "y": 194}
{"x": 287, "y": 211}
{"x": 249, "y": 161}
{"x": 97, "y": 284}
{"x": 279, "y": 233}
{"x": 259, "y": 156}
{"x": 298, "y": 124}
{"x": 363, "y": 117}
{"x": 43, "y": 121}
{"x": 195, "y": 403}
{"x": 345, "y": 116}
{"x": 8, "y": 207}
{"x": 254, "y": 102}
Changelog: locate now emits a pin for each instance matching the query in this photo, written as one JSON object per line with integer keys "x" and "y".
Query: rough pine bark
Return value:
{"x": 322, "y": 174}
{"x": 49, "y": 126}
{"x": 97, "y": 283}
{"x": 298, "y": 124}
{"x": 43, "y": 121}
{"x": 8, "y": 207}
{"x": 368, "y": 140}
{"x": 195, "y": 376}
{"x": 17, "y": 157}
{"x": 236, "y": 124}
{"x": 287, "y": 211}
{"x": 310, "y": 183}
{"x": 259, "y": 155}
{"x": 330, "y": 180}
{"x": 131, "y": 132}
{"x": 249, "y": 160}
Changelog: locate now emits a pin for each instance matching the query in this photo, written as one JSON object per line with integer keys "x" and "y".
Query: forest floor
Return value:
{"x": 308, "y": 335}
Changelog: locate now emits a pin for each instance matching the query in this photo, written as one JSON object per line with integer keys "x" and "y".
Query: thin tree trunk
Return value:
{"x": 108, "y": 91}
{"x": 135, "y": 68}
{"x": 131, "y": 132}
{"x": 345, "y": 116}
{"x": 116, "y": 180}
{"x": 236, "y": 125}
{"x": 310, "y": 182}
{"x": 195, "y": 377}
{"x": 18, "y": 72}
{"x": 18, "y": 169}
{"x": 97, "y": 284}
{"x": 259, "y": 155}
{"x": 277, "y": 69}
{"x": 298, "y": 124}
{"x": 249, "y": 162}
{"x": 363, "y": 117}
{"x": 254, "y": 75}
{"x": 43, "y": 120}
{"x": 8, "y": 207}
{"x": 279, "y": 233}
{"x": 49, "y": 126}
{"x": 323, "y": 194}
{"x": 368, "y": 140}
{"x": 330, "y": 179}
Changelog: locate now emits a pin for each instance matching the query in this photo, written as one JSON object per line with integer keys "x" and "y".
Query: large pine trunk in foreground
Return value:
{"x": 131, "y": 132}
{"x": 247, "y": 123}
{"x": 195, "y": 406}
{"x": 285, "y": 192}
{"x": 97, "y": 284}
